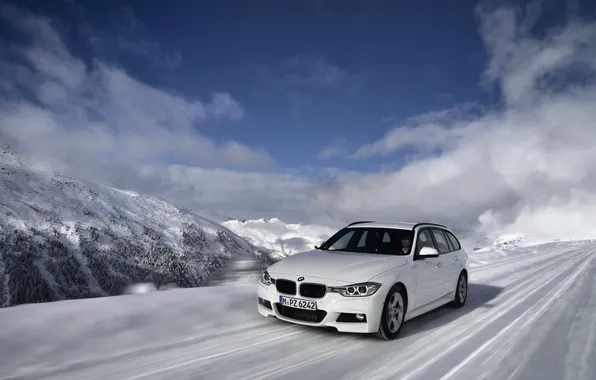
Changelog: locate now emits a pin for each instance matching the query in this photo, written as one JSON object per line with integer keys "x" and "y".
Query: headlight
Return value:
{"x": 266, "y": 279}
{"x": 357, "y": 290}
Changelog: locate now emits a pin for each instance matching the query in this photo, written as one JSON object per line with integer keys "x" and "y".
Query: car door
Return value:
{"x": 458, "y": 257}
{"x": 447, "y": 259}
{"x": 429, "y": 281}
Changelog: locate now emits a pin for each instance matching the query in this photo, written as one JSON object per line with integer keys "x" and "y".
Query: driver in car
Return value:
{"x": 406, "y": 243}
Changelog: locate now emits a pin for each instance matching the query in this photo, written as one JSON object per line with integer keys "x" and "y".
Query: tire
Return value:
{"x": 395, "y": 305}
{"x": 461, "y": 291}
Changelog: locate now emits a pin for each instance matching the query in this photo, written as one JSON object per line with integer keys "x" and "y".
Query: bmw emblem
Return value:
{"x": 300, "y": 279}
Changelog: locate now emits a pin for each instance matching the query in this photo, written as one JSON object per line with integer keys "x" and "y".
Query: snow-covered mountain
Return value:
{"x": 62, "y": 238}
{"x": 475, "y": 242}
{"x": 287, "y": 239}
{"x": 281, "y": 238}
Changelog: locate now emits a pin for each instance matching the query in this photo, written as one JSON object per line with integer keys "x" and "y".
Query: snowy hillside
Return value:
{"x": 61, "y": 238}
{"x": 279, "y": 237}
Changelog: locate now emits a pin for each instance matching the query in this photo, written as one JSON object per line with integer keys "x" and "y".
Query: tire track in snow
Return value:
{"x": 327, "y": 349}
{"x": 197, "y": 355}
{"x": 568, "y": 323}
{"x": 298, "y": 361}
{"x": 443, "y": 335}
{"x": 527, "y": 298}
{"x": 111, "y": 362}
{"x": 523, "y": 272}
{"x": 444, "y": 340}
{"x": 320, "y": 348}
{"x": 428, "y": 348}
{"x": 528, "y": 257}
{"x": 582, "y": 334}
{"x": 512, "y": 283}
{"x": 514, "y": 329}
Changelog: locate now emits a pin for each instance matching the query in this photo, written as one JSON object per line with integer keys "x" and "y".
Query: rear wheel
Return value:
{"x": 461, "y": 291}
{"x": 394, "y": 311}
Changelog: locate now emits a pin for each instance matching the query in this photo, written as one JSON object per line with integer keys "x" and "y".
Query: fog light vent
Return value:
{"x": 351, "y": 318}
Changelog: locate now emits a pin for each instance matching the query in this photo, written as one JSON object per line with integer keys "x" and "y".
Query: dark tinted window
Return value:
{"x": 384, "y": 241}
{"x": 453, "y": 240}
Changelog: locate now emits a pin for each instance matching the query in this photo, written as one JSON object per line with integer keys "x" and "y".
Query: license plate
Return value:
{"x": 297, "y": 303}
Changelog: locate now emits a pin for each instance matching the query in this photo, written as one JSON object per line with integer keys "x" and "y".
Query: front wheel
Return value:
{"x": 394, "y": 311}
{"x": 461, "y": 291}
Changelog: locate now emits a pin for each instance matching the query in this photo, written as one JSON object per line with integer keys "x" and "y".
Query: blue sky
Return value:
{"x": 310, "y": 110}
{"x": 361, "y": 64}
{"x": 309, "y": 73}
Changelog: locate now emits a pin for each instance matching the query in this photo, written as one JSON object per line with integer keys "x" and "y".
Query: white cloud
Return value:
{"x": 97, "y": 122}
{"x": 528, "y": 166}
{"x": 523, "y": 65}
{"x": 524, "y": 167}
{"x": 103, "y": 109}
{"x": 47, "y": 54}
{"x": 432, "y": 130}
{"x": 336, "y": 148}
{"x": 225, "y": 193}
{"x": 223, "y": 105}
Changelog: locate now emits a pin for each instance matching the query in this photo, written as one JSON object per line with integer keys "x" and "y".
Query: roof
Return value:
{"x": 396, "y": 225}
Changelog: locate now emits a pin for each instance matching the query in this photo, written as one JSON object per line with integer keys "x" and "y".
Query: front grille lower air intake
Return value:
{"x": 301, "y": 315}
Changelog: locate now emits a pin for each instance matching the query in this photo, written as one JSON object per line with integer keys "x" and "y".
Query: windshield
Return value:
{"x": 382, "y": 241}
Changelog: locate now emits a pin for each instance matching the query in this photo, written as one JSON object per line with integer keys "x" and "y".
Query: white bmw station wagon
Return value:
{"x": 369, "y": 277}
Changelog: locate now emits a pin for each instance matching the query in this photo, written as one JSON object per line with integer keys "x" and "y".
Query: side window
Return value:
{"x": 424, "y": 240}
{"x": 453, "y": 240}
{"x": 362, "y": 241}
{"x": 442, "y": 245}
{"x": 451, "y": 249}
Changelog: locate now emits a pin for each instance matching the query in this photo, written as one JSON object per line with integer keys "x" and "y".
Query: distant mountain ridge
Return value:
{"x": 278, "y": 237}
{"x": 285, "y": 239}
{"x": 63, "y": 238}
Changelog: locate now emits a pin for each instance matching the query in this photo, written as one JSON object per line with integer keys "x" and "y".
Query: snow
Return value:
{"x": 41, "y": 194}
{"x": 529, "y": 315}
{"x": 141, "y": 287}
{"x": 287, "y": 239}
{"x": 281, "y": 238}
{"x": 66, "y": 238}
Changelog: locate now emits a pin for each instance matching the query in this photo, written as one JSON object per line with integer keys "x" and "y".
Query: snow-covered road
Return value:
{"x": 530, "y": 314}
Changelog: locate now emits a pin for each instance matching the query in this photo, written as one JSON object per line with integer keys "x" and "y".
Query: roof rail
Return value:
{"x": 428, "y": 224}
{"x": 360, "y": 222}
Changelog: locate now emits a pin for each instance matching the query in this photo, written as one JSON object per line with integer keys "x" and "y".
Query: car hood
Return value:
{"x": 347, "y": 267}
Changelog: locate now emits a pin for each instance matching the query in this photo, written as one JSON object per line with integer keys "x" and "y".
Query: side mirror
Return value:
{"x": 428, "y": 252}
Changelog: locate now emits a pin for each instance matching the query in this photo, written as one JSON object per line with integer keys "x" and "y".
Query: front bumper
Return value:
{"x": 333, "y": 310}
